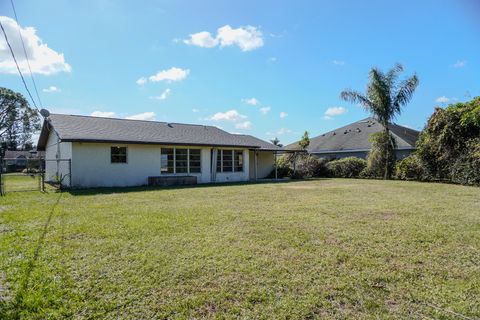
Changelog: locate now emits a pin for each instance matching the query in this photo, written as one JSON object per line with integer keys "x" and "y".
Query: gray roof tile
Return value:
{"x": 355, "y": 136}
{"x": 87, "y": 128}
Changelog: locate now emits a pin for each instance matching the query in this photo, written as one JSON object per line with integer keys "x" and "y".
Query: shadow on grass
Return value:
{"x": 11, "y": 309}
{"x": 111, "y": 190}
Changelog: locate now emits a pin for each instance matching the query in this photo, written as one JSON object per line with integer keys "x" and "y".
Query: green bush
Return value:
{"x": 382, "y": 146}
{"x": 350, "y": 167}
{"x": 308, "y": 166}
{"x": 449, "y": 144}
{"x": 410, "y": 168}
{"x": 466, "y": 170}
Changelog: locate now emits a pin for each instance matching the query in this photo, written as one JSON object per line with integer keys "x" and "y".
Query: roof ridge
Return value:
{"x": 138, "y": 120}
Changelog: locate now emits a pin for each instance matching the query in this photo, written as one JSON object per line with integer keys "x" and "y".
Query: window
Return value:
{"x": 166, "y": 160}
{"x": 180, "y": 160}
{"x": 195, "y": 166}
{"x": 230, "y": 161}
{"x": 238, "y": 161}
{"x": 227, "y": 164}
{"x": 118, "y": 154}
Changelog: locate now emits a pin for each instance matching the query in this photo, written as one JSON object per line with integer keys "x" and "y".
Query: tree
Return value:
{"x": 449, "y": 145}
{"x": 276, "y": 142}
{"x": 304, "y": 141}
{"x": 384, "y": 99}
{"x": 17, "y": 120}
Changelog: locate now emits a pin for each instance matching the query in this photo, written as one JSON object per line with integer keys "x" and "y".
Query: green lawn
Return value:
{"x": 334, "y": 248}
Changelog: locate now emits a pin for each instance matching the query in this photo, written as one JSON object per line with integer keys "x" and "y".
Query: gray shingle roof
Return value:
{"x": 97, "y": 129}
{"x": 355, "y": 137}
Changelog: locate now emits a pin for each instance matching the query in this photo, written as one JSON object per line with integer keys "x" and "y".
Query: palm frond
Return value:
{"x": 405, "y": 91}
{"x": 356, "y": 97}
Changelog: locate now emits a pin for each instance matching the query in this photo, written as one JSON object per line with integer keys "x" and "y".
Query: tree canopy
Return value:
{"x": 384, "y": 99}
{"x": 17, "y": 121}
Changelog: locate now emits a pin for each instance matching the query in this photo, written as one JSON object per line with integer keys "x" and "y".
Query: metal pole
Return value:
{"x": 70, "y": 173}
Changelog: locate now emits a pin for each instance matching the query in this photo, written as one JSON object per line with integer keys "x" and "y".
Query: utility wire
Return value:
{"x": 16, "y": 63}
{"x": 26, "y": 55}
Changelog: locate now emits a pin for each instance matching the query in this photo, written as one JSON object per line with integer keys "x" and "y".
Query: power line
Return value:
{"x": 26, "y": 55}
{"x": 16, "y": 63}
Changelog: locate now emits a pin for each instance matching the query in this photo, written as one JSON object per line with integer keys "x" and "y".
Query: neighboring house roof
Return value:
{"x": 16, "y": 154}
{"x": 96, "y": 129}
{"x": 355, "y": 137}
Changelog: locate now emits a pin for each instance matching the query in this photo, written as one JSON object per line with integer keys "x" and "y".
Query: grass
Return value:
{"x": 334, "y": 248}
{"x": 20, "y": 182}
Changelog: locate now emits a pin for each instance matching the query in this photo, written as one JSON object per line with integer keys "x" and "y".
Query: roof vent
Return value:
{"x": 345, "y": 132}
{"x": 334, "y": 133}
{"x": 358, "y": 130}
{"x": 169, "y": 125}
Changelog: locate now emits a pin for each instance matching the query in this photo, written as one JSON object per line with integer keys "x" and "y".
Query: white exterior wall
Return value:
{"x": 91, "y": 166}
{"x": 265, "y": 164}
{"x": 56, "y": 160}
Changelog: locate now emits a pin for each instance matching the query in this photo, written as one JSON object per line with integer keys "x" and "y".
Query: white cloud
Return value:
{"x": 265, "y": 110}
{"x": 442, "y": 99}
{"x": 142, "y": 116}
{"x": 230, "y": 115}
{"x": 327, "y": 118}
{"x": 283, "y": 131}
{"x": 163, "y": 96}
{"x": 338, "y": 62}
{"x": 247, "y": 125}
{"x": 335, "y": 111}
{"x": 202, "y": 39}
{"x": 460, "y": 64}
{"x": 246, "y": 38}
{"x": 51, "y": 89}
{"x": 195, "y": 110}
{"x": 272, "y": 59}
{"x": 283, "y": 114}
{"x": 43, "y": 60}
{"x": 251, "y": 101}
{"x": 104, "y": 114}
{"x": 172, "y": 74}
{"x": 141, "y": 81}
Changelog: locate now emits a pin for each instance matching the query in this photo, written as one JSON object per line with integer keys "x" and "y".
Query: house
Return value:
{"x": 353, "y": 140}
{"x": 106, "y": 152}
{"x": 17, "y": 160}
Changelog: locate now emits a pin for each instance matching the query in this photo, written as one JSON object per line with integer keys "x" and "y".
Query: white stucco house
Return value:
{"x": 90, "y": 152}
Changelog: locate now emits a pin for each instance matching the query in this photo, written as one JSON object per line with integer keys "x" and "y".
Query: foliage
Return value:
{"x": 384, "y": 99}
{"x": 275, "y": 141}
{"x": 349, "y": 167}
{"x": 448, "y": 145}
{"x": 284, "y": 167}
{"x": 304, "y": 141}
{"x": 381, "y": 154}
{"x": 308, "y": 166}
{"x": 17, "y": 120}
{"x": 410, "y": 168}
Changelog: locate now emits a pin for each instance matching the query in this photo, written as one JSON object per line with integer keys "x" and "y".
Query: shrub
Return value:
{"x": 382, "y": 146}
{"x": 350, "y": 167}
{"x": 466, "y": 170}
{"x": 410, "y": 168}
{"x": 283, "y": 167}
{"x": 449, "y": 143}
{"x": 308, "y": 166}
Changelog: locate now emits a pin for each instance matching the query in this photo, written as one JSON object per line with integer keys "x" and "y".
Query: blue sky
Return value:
{"x": 139, "y": 58}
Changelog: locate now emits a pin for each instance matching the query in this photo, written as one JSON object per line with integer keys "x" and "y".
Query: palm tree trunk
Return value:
{"x": 387, "y": 154}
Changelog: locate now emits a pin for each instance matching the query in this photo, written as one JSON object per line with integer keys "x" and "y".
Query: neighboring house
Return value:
{"x": 353, "y": 140}
{"x": 15, "y": 160}
{"x": 106, "y": 152}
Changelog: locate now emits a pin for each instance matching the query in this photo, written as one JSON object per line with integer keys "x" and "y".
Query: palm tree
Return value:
{"x": 384, "y": 99}
{"x": 276, "y": 142}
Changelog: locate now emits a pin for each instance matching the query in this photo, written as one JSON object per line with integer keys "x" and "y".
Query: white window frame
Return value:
{"x": 175, "y": 161}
